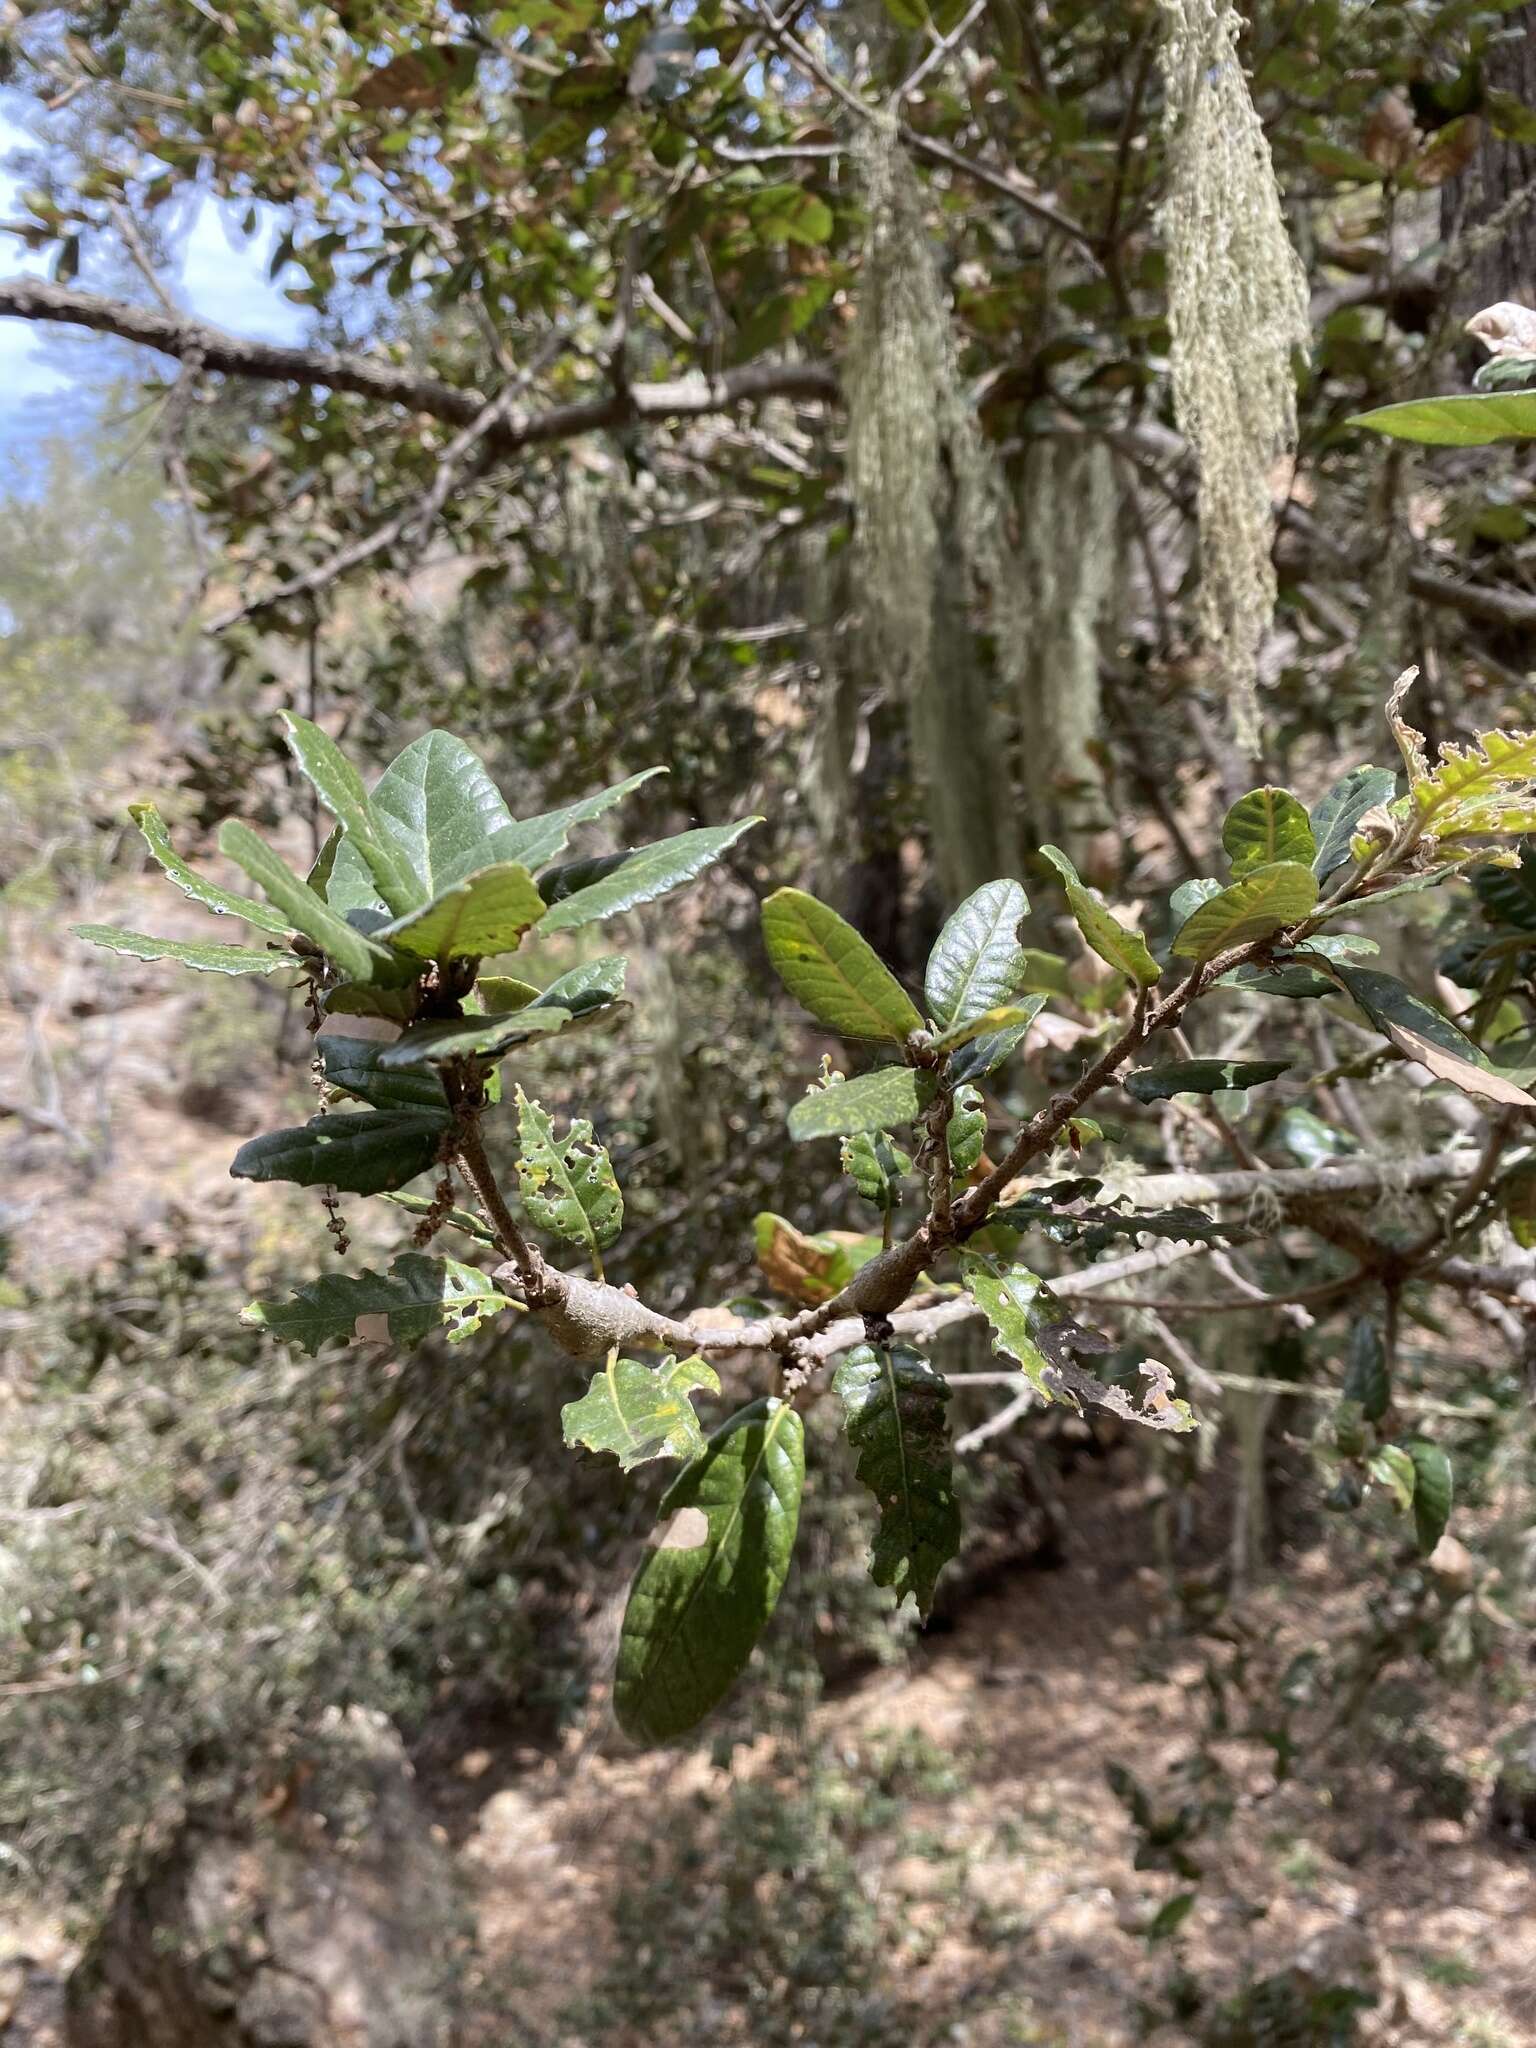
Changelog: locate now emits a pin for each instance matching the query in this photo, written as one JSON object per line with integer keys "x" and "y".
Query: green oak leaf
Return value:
{"x": 1200, "y": 1077}
{"x": 876, "y": 1165}
{"x": 418, "y": 1295}
{"x": 487, "y": 912}
{"x": 985, "y": 1055}
{"x": 462, "y": 1038}
{"x": 977, "y": 961}
{"x": 1267, "y": 899}
{"x": 640, "y": 1412}
{"x": 649, "y": 872}
{"x": 832, "y": 972}
{"x": 1266, "y": 826}
{"x": 340, "y": 788}
{"x": 364, "y": 1153}
{"x": 1366, "y": 1379}
{"x": 205, "y": 959}
{"x": 1422, "y": 1034}
{"x": 869, "y": 1102}
{"x": 534, "y": 841}
{"x": 894, "y": 1405}
{"x": 360, "y": 958}
{"x": 1336, "y": 816}
{"x": 441, "y": 808}
{"x": 191, "y": 883}
{"x": 1461, "y": 421}
{"x": 1434, "y": 1490}
{"x": 966, "y": 1135}
{"x": 1111, "y": 940}
{"x": 356, "y": 1066}
{"x": 567, "y": 1183}
{"x": 1006, "y": 1017}
{"x": 712, "y": 1574}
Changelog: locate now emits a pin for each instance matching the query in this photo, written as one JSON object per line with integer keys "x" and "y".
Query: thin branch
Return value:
{"x": 942, "y": 48}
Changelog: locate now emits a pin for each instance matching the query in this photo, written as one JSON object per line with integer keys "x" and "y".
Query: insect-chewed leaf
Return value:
{"x": 649, "y": 872}
{"x": 1037, "y": 1330}
{"x": 639, "y": 1411}
{"x": 966, "y": 1134}
{"x": 1264, "y": 826}
{"x": 416, "y": 1296}
{"x": 487, "y": 912}
{"x": 362, "y": 1154}
{"x": 360, "y": 958}
{"x": 1111, "y": 940}
{"x": 442, "y": 809}
{"x": 712, "y": 1576}
{"x": 1422, "y": 1034}
{"x": 567, "y": 1183}
{"x": 1389, "y": 1465}
{"x": 808, "y": 1269}
{"x": 894, "y": 1402}
{"x": 876, "y": 1165}
{"x": 206, "y": 959}
{"x": 1336, "y": 815}
{"x": 1487, "y": 787}
{"x": 977, "y": 961}
{"x": 832, "y": 972}
{"x": 1200, "y": 1077}
{"x": 1266, "y": 900}
{"x": 191, "y": 883}
{"x": 340, "y": 788}
{"x": 1462, "y": 421}
{"x": 869, "y": 1102}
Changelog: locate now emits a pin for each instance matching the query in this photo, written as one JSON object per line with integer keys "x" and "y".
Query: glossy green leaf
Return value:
{"x": 361, "y": 1154}
{"x": 487, "y": 912}
{"x": 1465, "y": 420}
{"x": 358, "y": 957}
{"x": 869, "y": 1102}
{"x": 356, "y": 1066}
{"x": 594, "y": 985}
{"x": 640, "y": 1412}
{"x": 533, "y": 841}
{"x": 441, "y": 808}
{"x": 1268, "y": 899}
{"x": 832, "y": 972}
{"x": 1434, "y": 1490}
{"x": 418, "y": 1295}
{"x": 191, "y": 883}
{"x": 977, "y": 961}
{"x": 712, "y": 1575}
{"x": 1366, "y": 1380}
{"x": 985, "y": 1055}
{"x": 461, "y": 1038}
{"x": 1199, "y": 1077}
{"x": 340, "y": 788}
{"x": 1336, "y": 816}
{"x": 1422, "y": 1034}
{"x": 567, "y": 1183}
{"x": 1265, "y": 826}
{"x": 650, "y": 872}
{"x": 206, "y": 959}
{"x": 1189, "y": 896}
{"x": 1104, "y": 933}
{"x": 895, "y": 1409}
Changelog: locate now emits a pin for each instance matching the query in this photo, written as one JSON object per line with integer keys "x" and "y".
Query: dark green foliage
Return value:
{"x": 894, "y": 1402}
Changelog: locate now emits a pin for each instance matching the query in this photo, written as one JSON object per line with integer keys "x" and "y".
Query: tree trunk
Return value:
{"x": 1502, "y": 266}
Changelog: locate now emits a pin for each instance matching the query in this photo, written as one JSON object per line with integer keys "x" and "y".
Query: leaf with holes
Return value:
{"x": 712, "y": 1574}
{"x": 649, "y": 872}
{"x": 205, "y": 959}
{"x": 869, "y": 1102}
{"x": 340, "y": 788}
{"x": 416, "y": 1296}
{"x": 894, "y": 1404}
{"x": 977, "y": 961}
{"x": 966, "y": 1133}
{"x": 362, "y": 1154}
{"x": 832, "y": 972}
{"x": 1267, "y": 825}
{"x": 640, "y": 1412}
{"x": 1267, "y": 899}
{"x": 876, "y": 1165}
{"x": 191, "y": 883}
{"x": 487, "y": 912}
{"x": 567, "y": 1183}
{"x": 1111, "y": 940}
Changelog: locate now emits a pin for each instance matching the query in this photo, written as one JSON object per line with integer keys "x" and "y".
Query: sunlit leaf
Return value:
{"x": 1265, "y": 826}
{"x": 977, "y": 961}
{"x": 870, "y": 1102}
{"x": 1267, "y": 899}
{"x": 640, "y": 1412}
{"x": 191, "y": 883}
{"x": 832, "y": 972}
{"x": 206, "y": 959}
{"x": 1112, "y": 941}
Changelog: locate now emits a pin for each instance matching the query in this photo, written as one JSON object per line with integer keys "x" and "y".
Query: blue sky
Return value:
{"x": 51, "y": 378}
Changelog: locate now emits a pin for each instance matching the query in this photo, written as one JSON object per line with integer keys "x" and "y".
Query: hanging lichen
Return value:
{"x": 1237, "y": 299}
{"x": 928, "y": 518}
{"x": 1070, "y": 560}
